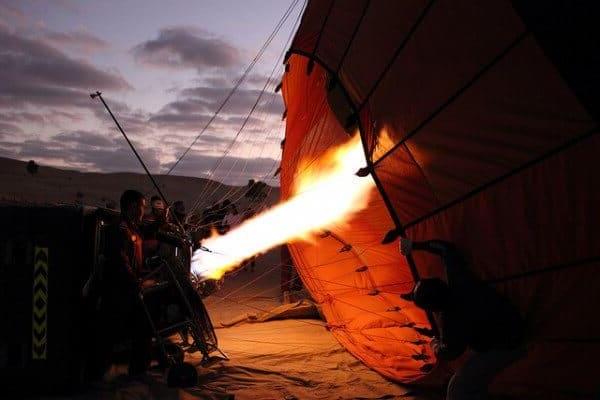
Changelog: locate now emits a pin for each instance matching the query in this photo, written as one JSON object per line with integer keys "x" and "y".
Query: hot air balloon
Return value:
{"x": 479, "y": 126}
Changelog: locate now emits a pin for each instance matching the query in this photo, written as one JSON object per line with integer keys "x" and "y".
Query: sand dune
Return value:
{"x": 53, "y": 185}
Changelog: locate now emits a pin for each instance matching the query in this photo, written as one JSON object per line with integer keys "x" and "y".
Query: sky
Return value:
{"x": 163, "y": 68}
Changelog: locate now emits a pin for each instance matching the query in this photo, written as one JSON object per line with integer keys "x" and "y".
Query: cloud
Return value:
{"x": 84, "y": 139}
{"x": 83, "y": 150}
{"x": 232, "y": 170}
{"x": 8, "y": 129}
{"x": 195, "y": 106}
{"x": 94, "y": 151}
{"x": 22, "y": 116}
{"x": 11, "y": 14}
{"x": 240, "y": 103}
{"x": 44, "y": 89}
{"x": 35, "y": 73}
{"x": 184, "y": 47}
{"x": 180, "y": 121}
{"x": 80, "y": 41}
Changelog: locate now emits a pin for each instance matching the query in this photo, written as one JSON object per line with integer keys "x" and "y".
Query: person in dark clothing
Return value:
{"x": 470, "y": 315}
{"x": 121, "y": 312}
{"x": 178, "y": 214}
{"x": 157, "y": 208}
{"x": 228, "y": 210}
{"x": 152, "y": 223}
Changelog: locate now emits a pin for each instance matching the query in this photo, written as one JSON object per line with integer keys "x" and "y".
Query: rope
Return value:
{"x": 356, "y": 28}
{"x": 208, "y": 185}
{"x": 399, "y": 49}
{"x": 238, "y": 83}
{"x": 457, "y": 94}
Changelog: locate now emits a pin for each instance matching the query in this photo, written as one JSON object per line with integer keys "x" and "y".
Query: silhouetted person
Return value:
{"x": 178, "y": 213}
{"x": 152, "y": 223}
{"x": 470, "y": 315}
{"x": 229, "y": 217}
{"x": 158, "y": 210}
{"x": 121, "y": 312}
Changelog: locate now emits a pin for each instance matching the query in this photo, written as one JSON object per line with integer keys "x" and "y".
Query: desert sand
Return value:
{"x": 281, "y": 359}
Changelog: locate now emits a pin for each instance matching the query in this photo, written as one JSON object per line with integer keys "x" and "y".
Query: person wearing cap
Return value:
{"x": 121, "y": 315}
{"x": 470, "y": 315}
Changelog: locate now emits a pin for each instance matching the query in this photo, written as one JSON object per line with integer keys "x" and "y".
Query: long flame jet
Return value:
{"x": 326, "y": 192}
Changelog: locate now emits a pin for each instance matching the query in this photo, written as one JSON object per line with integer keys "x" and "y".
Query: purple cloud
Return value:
{"x": 8, "y": 129}
{"x": 232, "y": 170}
{"x": 188, "y": 48}
{"x": 35, "y": 73}
{"x": 80, "y": 41}
{"x": 83, "y": 150}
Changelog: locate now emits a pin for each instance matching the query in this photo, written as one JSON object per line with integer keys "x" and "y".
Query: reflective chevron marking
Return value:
{"x": 40, "y": 304}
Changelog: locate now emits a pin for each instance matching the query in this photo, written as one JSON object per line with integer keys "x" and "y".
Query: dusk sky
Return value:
{"x": 164, "y": 68}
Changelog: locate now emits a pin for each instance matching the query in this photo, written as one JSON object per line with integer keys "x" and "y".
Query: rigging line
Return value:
{"x": 539, "y": 271}
{"x": 161, "y": 194}
{"x": 262, "y": 118}
{"x": 240, "y": 192}
{"x": 289, "y": 344}
{"x": 238, "y": 83}
{"x": 564, "y": 146}
{"x": 288, "y": 40}
{"x": 228, "y": 296}
{"x": 271, "y": 135}
{"x": 292, "y": 31}
{"x": 522, "y": 36}
{"x": 367, "y": 311}
{"x": 258, "y": 295}
{"x": 326, "y": 325}
{"x": 228, "y": 150}
{"x": 270, "y": 78}
{"x": 213, "y": 188}
{"x": 345, "y": 286}
{"x": 318, "y": 41}
{"x": 309, "y": 145}
{"x": 399, "y": 49}
{"x": 251, "y": 204}
{"x": 352, "y": 37}
{"x": 249, "y": 283}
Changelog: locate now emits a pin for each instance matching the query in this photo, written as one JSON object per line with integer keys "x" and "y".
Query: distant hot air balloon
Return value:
{"x": 479, "y": 123}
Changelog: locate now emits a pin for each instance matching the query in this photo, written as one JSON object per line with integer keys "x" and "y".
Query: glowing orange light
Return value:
{"x": 326, "y": 192}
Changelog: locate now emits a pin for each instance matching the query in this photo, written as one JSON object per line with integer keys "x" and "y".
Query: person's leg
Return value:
{"x": 102, "y": 341}
{"x": 141, "y": 346}
{"x": 471, "y": 380}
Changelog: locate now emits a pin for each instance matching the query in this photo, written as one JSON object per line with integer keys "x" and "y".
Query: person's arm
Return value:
{"x": 456, "y": 270}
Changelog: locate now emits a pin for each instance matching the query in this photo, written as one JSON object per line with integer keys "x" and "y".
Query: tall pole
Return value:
{"x": 160, "y": 193}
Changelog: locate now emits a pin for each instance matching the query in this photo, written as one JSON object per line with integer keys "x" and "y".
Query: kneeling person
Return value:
{"x": 471, "y": 315}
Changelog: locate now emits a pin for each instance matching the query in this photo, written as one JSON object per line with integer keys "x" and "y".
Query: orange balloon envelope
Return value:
{"x": 479, "y": 125}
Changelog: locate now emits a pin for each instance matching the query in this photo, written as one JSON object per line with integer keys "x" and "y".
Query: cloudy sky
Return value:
{"x": 164, "y": 68}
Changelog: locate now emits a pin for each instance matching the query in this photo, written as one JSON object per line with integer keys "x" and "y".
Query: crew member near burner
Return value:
{"x": 121, "y": 310}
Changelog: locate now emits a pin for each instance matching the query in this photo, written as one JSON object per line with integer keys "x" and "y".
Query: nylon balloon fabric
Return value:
{"x": 480, "y": 123}
{"x": 356, "y": 280}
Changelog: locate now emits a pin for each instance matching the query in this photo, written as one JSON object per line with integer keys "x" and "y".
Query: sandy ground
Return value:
{"x": 285, "y": 359}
